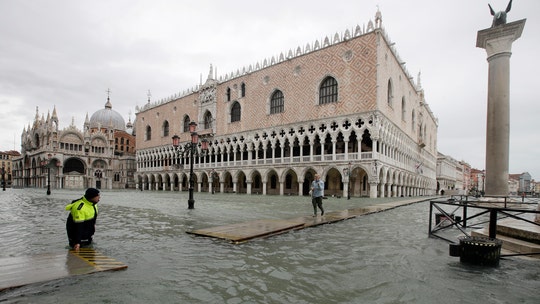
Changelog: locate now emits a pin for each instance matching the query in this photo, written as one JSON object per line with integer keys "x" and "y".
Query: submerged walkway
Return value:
{"x": 243, "y": 232}
{"x": 24, "y": 270}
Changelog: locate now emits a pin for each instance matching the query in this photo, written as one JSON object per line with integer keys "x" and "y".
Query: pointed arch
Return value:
{"x": 208, "y": 120}
{"x": 390, "y": 92}
{"x": 165, "y": 128}
{"x": 185, "y": 123}
{"x": 277, "y": 102}
{"x": 328, "y": 91}
{"x": 236, "y": 112}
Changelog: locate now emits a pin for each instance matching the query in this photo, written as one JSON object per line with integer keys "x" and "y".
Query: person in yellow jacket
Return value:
{"x": 81, "y": 221}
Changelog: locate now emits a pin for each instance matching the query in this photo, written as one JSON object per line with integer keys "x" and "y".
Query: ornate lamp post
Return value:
{"x": 213, "y": 176}
{"x": 3, "y": 178}
{"x": 347, "y": 171}
{"x": 49, "y": 174}
{"x": 190, "y": 147}
{"x": 483, "y": 181}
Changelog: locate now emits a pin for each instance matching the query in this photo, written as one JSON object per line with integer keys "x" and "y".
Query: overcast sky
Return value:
{"x": 67, "y": 53}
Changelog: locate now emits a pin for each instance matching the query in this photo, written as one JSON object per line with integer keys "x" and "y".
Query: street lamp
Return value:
{"x": 483, "y": 181}
{"x": 213, "y": 178}
{"x": 3, "y": 177}
{"x": 190, "y": 147}
{"x": 49, "y": 174}
{"x": 347, "y": 171}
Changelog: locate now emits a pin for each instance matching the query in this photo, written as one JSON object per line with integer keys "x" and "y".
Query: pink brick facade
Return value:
{"x": 377, "y": 139}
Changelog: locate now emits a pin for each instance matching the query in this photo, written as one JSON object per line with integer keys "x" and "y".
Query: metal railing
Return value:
{"x": 467, "y": 212}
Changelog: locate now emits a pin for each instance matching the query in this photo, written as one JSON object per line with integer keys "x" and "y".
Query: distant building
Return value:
{"x": 520, "y": 183}
{"x": 6, "y": 157}
{"x": 447, "y": 174}
{"x": 101, "y": 155}
{"x": 478, "y": 178}
{"x": 466, "y": 175}
{"x": 517, "y": 183}
{"x": 344, "y": 107}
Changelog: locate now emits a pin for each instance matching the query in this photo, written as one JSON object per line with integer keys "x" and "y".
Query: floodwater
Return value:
{"x": 386, "y": 257}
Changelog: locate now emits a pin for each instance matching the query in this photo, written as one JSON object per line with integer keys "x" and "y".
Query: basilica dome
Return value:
{"x": 106, "y": 117}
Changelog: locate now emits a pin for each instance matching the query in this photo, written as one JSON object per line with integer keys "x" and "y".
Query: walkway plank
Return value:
{"x": 24, "y": 270}
{"x": 242, "y": 232}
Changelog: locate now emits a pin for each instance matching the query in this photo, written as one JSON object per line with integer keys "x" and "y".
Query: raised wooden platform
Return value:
{"x": 242, "y": 232}
{"x": 517, "y": 236}
{"x": 24, "y": 270}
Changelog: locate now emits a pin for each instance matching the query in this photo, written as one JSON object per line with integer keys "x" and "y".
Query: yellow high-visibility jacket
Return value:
{"x": 81, "y": 221}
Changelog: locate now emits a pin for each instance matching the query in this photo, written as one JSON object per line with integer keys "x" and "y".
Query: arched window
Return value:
{"x": 165, "y": 128}
{"x": 187, "y": 120}
{"x": 403, "y": 109}
{"x": 390, "y": 92}
{"x": 235, "y": 112}
{"x": 208, "y": 120}
{"x": 243, "y": 90}
{"x": 277, "y": 102}
{"x": 148, "y": 134}
{"x": 328, "y": 91}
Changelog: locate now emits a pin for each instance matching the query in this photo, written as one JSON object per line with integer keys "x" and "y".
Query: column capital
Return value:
{"x": 498, "y": 39}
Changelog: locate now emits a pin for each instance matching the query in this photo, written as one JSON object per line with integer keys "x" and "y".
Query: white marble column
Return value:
{"x": 497, "y": 41}
{"x": 373, "y": 189}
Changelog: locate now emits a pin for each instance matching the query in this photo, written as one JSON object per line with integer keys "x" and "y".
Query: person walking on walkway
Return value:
{"x": 81, "y": 221}
{"x": 317, "y": 193}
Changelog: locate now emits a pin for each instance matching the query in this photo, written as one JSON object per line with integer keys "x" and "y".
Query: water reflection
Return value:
{"x": 380, "y": 258}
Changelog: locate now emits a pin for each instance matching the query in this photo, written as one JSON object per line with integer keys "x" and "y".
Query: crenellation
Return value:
{"x": 337, "y": 38}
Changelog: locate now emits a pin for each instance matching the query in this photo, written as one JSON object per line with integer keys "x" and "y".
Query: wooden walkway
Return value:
{"x": 24, "y": 270}
{"x": 243, "y": 232}
{"x": 518, "y": 237}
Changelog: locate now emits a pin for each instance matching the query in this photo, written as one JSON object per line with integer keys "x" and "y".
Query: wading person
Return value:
{"x": 81, "y": 221}
{"x": 317, "y": 193}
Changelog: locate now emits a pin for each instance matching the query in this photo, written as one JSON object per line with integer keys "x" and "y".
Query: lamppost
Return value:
{"x": 483, "y": 181}
{"x": 347, "y": 171}
{"x": 213, "y": 176}
{"x": 49, "y": 174}
{"x": 190, "y": 147}
{"x": 3, "y": 177}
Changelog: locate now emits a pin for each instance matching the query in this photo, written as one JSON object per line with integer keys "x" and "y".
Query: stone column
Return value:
{"x": 497, "y": 41}
{"x": 248, "y": 191}
{"x": 373, "y": 189}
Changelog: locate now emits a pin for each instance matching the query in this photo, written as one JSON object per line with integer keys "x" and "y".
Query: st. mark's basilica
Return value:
{"x": 100, "y": 155}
